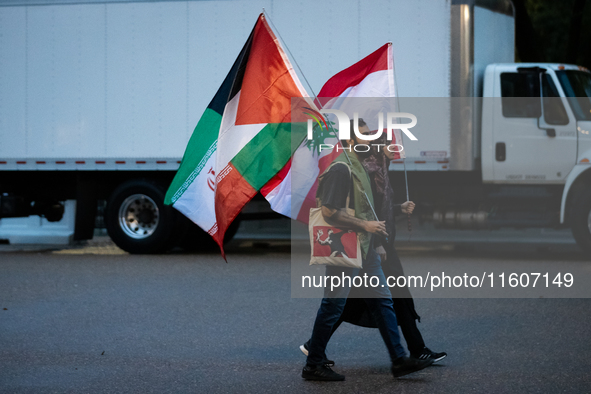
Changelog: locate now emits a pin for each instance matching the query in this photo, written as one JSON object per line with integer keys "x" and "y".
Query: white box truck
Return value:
{"x": 99, "y": 98}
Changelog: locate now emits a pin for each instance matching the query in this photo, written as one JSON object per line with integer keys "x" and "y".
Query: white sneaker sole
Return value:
{"x": 439, "y": 359}
{"x": 304, "y": 350}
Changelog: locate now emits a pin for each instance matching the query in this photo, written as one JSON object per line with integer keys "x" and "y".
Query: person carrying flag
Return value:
{"x": 334, "y": 186}
{"x": 356, "y": 312}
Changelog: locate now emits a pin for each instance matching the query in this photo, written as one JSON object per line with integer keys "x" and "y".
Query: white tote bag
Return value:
{"x": 333, "y": 245}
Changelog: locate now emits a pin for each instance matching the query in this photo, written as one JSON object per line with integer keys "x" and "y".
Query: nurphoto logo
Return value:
{"x": 344, "y": 128}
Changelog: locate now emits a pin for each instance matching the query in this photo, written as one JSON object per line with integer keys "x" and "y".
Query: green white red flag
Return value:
{"x": 243, "y": 139}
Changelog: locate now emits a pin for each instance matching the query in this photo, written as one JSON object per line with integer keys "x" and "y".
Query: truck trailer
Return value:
{"x": 99, "y": 98}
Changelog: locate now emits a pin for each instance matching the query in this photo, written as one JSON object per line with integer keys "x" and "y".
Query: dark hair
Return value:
{"x": 360, "y": 122}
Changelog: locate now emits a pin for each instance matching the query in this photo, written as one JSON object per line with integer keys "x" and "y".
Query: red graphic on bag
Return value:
{"x": 334, "y": 242}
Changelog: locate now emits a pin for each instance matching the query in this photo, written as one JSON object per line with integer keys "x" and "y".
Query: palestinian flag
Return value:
{"x": 292, "y": 191}
{"x": 243, "y": 139}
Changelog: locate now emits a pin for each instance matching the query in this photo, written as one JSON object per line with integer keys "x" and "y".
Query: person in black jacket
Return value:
{"x": 355, "y": 311}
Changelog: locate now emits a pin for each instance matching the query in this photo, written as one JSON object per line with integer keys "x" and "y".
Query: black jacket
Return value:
{"x": 356, "y": 311}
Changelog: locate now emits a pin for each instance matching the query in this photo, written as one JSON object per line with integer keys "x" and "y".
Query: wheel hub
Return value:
{"x": 138, "y": 216}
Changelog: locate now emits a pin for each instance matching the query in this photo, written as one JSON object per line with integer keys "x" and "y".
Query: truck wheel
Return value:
{"x": 137, "y": 219}
{"x": 580, "y": 220}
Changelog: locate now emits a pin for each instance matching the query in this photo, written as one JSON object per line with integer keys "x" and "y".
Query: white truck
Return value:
{"x": 99, "y": 98}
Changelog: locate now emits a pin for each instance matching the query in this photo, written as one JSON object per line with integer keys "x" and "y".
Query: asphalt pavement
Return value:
{"x": 93, "y": 319}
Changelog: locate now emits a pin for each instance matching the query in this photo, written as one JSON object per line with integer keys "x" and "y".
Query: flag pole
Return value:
{"x": 406, "y": 183}
{"x": 402, "y": 141}
{"x": 289, "y": 52}
{"x": 405, "y": 173}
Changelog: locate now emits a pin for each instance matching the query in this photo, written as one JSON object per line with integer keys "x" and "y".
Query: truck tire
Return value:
{"x": 137, "y": 219}
{"x": 194, "y": 239}
{"x": 580, "y": 220}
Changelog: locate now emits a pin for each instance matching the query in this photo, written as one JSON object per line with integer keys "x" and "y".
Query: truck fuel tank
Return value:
{"x": 460, "y": 219}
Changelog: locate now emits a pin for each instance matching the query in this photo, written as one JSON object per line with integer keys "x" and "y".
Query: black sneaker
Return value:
{"x": 304, "y": 349}
{"x": 428, "y": 354}
{"x": 321, "y": 372}
{"x": 405, "y": 365}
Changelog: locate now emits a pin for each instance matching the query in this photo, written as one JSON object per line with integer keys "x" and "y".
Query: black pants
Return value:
{"x": 406, "y": 317}
{"x": 405, "y": 314}
{"x": 404, "y": 306}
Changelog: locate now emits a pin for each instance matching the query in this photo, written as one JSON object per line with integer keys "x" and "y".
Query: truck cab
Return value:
{"x": 536, "y": 120}
{"x": 531, "y": 122}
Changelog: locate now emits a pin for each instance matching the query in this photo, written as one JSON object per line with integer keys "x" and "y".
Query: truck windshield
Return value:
{"x": 577, "y": 87}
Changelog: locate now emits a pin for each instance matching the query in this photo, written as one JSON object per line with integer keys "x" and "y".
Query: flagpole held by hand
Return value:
{"x": 403, "y": 158}
{"x": 406, "y": 185}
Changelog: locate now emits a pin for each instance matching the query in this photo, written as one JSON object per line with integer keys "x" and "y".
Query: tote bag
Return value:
{"x": 333, "y": 245}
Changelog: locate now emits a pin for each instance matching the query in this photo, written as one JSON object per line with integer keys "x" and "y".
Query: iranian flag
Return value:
{"x": 243, "y": 139}
{"x": 292, "y": 191}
